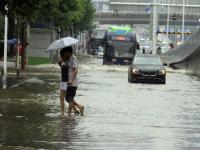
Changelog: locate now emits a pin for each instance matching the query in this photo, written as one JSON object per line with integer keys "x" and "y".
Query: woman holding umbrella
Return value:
{"x": 64, "y": 79}
{"x": 70, "y": 74}
{"x": 69, "y": 80}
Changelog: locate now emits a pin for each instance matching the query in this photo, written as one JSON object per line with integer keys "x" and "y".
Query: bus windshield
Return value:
{"x": 121, "y": 49}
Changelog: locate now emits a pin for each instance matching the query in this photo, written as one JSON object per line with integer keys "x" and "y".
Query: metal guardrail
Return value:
{"x": 111, "y": 12}
{"x": 176, "y": 6}
{"x": 120, "y": 17}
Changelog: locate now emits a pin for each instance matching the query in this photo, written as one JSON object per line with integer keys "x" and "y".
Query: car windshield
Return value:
{"x": 147, "y": 60}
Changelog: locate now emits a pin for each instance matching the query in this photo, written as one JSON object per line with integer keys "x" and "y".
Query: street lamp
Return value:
{"x": 183, "y": 21}
{"x": 5, "y": 40}
{"x": 168, "y": 20}
{"x": 155, "y": 25}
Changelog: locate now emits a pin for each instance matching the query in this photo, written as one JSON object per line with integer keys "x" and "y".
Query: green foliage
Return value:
{"x": 63, "y": 13}
{"x": 24, "y": 10}
{"x": 70, "y": 15}
{"x": 1, "y": 27}
{"x": 69, "y": 12}
{"x": 86, "y": 22}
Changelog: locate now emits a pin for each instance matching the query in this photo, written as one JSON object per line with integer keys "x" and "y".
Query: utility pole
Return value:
{"x": 5, "y": 40}
{"x": 168, "y": 15}
{"x": 155, "y": 25}
{"x": 84, "y": 41}
{"x": 183, "y": 21}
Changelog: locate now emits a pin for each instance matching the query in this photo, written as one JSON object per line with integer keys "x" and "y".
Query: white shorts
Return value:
{"x": 63, "y": 86}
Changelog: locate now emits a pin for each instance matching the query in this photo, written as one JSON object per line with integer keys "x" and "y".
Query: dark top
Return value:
{"x": 64, "y": 71}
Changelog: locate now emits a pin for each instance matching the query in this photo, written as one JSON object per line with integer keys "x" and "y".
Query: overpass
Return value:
{"x": 122, "y": 17}
{"x": 140, "y": 12}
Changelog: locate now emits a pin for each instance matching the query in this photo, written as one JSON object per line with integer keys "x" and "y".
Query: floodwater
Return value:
{"x": 118, "y": 115}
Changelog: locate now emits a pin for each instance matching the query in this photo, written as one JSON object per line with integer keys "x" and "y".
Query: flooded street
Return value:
{"x": 118, "y": 115}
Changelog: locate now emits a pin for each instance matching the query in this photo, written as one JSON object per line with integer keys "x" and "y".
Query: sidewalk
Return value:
{"x": 30, "y": 72}
{"x": 10, "y": 64}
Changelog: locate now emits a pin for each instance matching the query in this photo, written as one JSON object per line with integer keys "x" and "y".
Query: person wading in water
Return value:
{"x": 69, "y": 84}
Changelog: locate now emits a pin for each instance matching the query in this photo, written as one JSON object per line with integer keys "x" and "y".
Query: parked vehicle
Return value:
{"x": 99, "y": 53}
{"x": 95, "y": 40}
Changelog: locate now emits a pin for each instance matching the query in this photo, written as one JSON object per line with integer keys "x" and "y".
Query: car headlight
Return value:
{"x": 162, "y": 72}
{"x": 136, "y": 71}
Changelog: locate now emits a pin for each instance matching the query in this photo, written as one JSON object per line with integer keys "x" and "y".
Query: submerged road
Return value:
{"x": 119, "y": 115}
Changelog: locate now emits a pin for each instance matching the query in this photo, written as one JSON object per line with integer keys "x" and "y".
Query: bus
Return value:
{"x": 120, "y": 45}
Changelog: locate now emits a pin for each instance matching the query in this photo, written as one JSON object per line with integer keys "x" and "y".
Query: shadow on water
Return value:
{"x": 36, "y": 130}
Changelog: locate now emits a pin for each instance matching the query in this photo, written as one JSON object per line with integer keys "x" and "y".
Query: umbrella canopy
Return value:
{"x": 62, "y": 43}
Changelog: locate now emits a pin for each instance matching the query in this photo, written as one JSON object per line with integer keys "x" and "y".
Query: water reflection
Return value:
{"x": 119, "y": 115}
{"x": 67, "y": 132}
{"x": 4, "y": 82}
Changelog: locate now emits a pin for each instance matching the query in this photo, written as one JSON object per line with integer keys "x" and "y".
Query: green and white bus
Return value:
{"x": 120, "y": 45}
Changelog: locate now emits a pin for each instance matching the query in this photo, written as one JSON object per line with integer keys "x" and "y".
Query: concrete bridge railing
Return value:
{"x": 185, "y": 56}
{"x": 176, "y": 6}
{"x": 128, "y": 17}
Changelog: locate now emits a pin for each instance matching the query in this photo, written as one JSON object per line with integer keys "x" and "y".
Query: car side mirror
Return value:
{"x": 138, "y": 46}
{"x": 165, "y": 64}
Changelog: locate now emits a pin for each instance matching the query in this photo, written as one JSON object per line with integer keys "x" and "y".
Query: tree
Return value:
{"x": 86, "y": 22}
{"x": 69, "y": 15}
{"x": 1, "y": 27}
{"x": 70, "y": 11}
{"x": 27, "y": 12}
{"x": 2, "y": 13}
{"x": 3, "y": 3}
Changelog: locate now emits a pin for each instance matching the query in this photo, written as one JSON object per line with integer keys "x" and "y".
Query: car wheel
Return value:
{"x": 163, "y": 80}
{"x": 132, "y": 79}
{"x": 129, "y": 79}
{"x": 104, "y": 61}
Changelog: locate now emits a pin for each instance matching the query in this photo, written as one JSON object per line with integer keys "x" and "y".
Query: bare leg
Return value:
{"x": 76, "y": 111}
{"x": 62, "y": 101}
{"x": 81, "y": 107}
{"x": 71, "y": 105}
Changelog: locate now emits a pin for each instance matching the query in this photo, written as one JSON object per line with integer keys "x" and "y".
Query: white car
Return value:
{"x": 100, "y": 54}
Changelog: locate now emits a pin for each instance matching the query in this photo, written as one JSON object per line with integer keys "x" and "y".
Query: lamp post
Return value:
{"x": 183, "y": 21}
{"x": 5, "y": 47}
{"x": 155, "y": 24}
{"x": 5, "y": 41}
{"x": 168, "y": 20}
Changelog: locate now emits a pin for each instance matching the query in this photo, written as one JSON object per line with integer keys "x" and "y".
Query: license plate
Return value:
{"x": 126, "y": 61}
{"x": 114, "y": 60}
